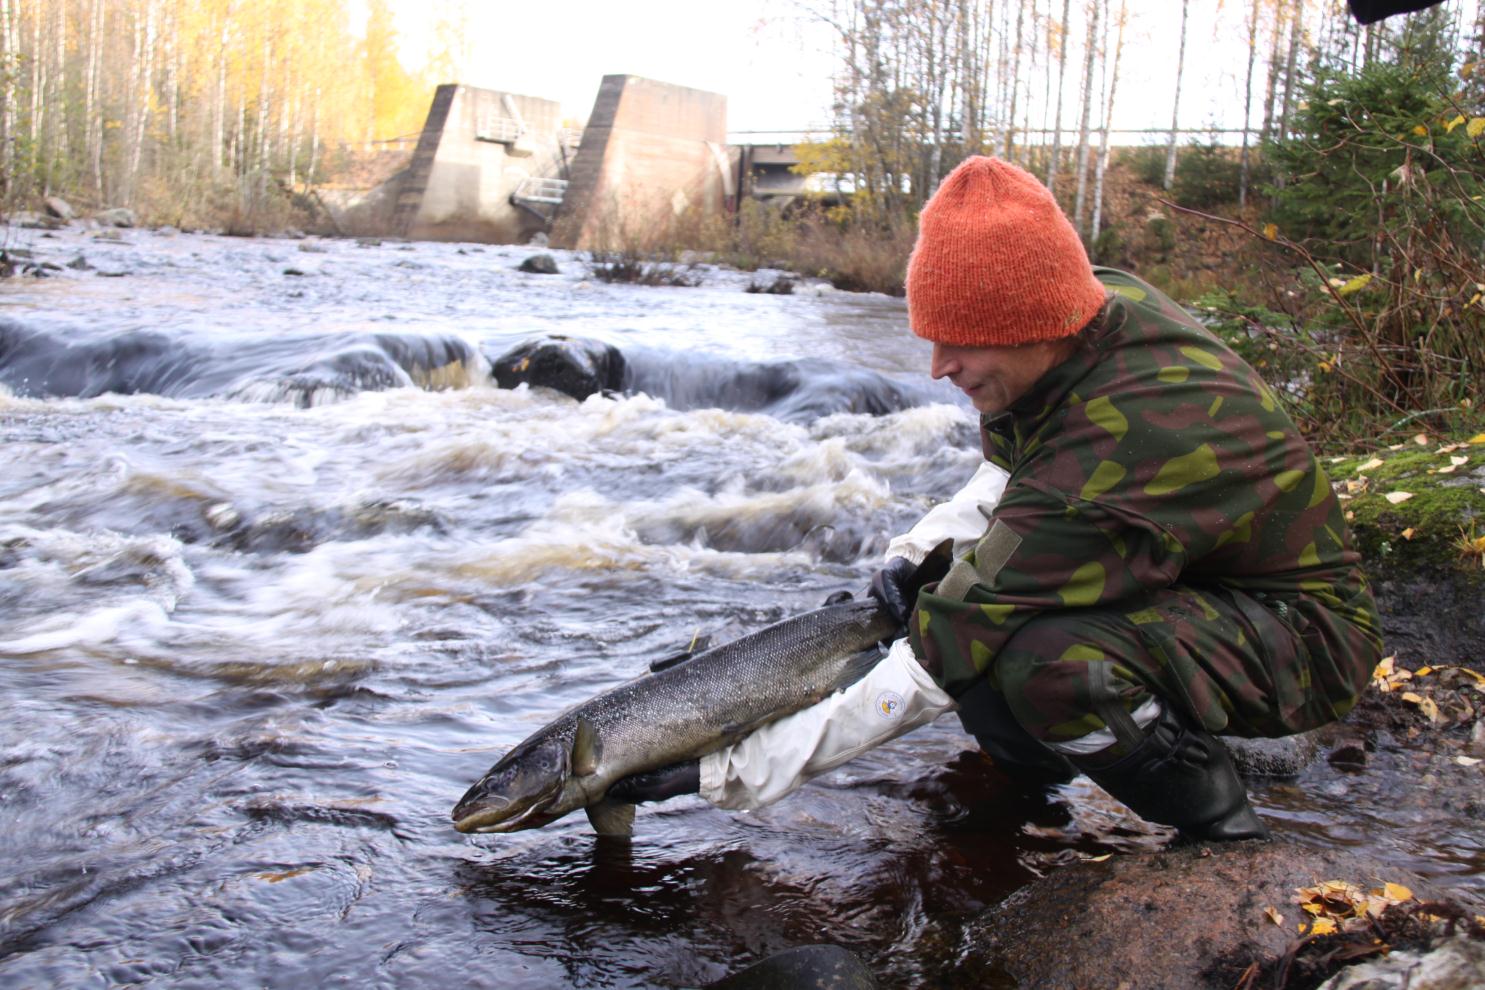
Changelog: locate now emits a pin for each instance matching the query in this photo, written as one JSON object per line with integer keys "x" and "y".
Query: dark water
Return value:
{"x": 281, "y": 575}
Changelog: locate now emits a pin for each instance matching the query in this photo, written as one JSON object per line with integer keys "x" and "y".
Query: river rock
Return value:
{"x": 1185, "y": 918}
{"x": 117, "y": 217}
{"x": 58, "y": 207}
{"x": 1457, "y": 963}
{"x": 817, "y": 967}
{"x": 1284, "y": 757}
{"x": 539, "y": 264}
{"x": 574, "y": 366}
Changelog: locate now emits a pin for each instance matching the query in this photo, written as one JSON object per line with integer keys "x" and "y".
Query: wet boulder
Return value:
{"x": 58, "y": 207}
{"x": 539, "y": 264}
{"x": 574, "y": 366}
{"x": 1191, "y": 917}
{"x": 116, "y": 217}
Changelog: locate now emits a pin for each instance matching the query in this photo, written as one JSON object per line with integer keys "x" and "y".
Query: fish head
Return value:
{"x": 517, "y": 791}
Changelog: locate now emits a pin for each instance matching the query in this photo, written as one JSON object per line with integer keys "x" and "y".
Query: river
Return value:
{"x": 282, "y": 573}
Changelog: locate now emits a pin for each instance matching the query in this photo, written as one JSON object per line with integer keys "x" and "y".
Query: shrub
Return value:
{"x": 1207, "y": 175}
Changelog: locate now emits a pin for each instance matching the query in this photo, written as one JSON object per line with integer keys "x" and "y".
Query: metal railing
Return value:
{"x": 538, "y": 190}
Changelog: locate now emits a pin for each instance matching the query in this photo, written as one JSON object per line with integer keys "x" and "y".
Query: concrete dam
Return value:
{"x": 499, "y": 167}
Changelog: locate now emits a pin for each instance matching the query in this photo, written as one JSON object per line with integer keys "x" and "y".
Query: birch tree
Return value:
{"x": 1175, "y": 110}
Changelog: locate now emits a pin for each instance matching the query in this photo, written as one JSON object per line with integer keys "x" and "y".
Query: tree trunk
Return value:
{"x": 1296, "y": 28}
{"x": 10, "y": 60}
{"x": 1015, "y": 84}
{"x": 1057, "y": 119}
{"x": 1245, "y": 169}
{"x": 1081, "y": 200}
{"x": 92, "y": 110}
{"x": 1271, "y": 88}
{"x": 1108, "y": 115}
{"x": 1175, "y": 110}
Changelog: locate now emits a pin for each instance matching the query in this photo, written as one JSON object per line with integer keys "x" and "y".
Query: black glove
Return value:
{"x": 887, "y": 587}
{"x": 658, "y": 785}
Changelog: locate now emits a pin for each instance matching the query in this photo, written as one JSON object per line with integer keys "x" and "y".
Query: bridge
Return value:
{"x": 498, "y": 167}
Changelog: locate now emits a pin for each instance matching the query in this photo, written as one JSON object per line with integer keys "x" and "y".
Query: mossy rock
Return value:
{"x": 1417, "y": 512}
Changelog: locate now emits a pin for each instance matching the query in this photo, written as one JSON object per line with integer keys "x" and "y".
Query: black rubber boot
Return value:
{"x": 986, "y": 716}
{"x": 1183, "y": 777}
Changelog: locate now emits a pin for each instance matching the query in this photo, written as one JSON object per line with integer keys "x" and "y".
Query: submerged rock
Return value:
{"x": 819, "y": 967}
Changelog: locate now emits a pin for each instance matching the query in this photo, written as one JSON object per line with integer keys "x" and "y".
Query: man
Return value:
{"x": 1151, "y": 556}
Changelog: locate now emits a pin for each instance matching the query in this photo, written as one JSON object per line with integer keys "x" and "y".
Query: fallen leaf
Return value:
{"x": 1371, "y": 465}
{"x": 1466, "y": 761}
{"x": 1421, "y": 439}
{"x": 1477, "y": 438}
{"x": 1396, "y": 892}
{"x": 1423, "y": 671}
{"x": 1398, "y": 498}
{"x": 1407, "y": 534}
{"x": 1322, "y": 926}
{"x": 1099, "y": 859}
{"x": 1274, "y": 916}
{"x": 1425, "y": 705}
{"x": 1271, "y": 231}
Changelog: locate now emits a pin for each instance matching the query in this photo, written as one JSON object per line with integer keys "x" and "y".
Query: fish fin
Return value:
{"x": 612, "y": 817}
{"x": 698, "y": 644}
{"x": 587, "y": 748}
{"x": 933, "y": 568}
{"x": 857, "y": 668}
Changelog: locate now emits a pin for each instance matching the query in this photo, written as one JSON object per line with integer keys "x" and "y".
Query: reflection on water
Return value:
{"x": 253, "y": 645}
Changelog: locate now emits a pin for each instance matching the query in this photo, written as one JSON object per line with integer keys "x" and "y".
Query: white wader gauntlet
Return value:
{"x": 963, "y": 518}
{"x": 895, "y": 696}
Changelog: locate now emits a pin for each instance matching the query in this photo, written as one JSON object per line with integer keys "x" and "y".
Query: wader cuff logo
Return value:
{"x": 890, "y": 705}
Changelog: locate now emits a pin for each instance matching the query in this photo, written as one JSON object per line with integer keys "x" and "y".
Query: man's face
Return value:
{"x": 995, "y": 377}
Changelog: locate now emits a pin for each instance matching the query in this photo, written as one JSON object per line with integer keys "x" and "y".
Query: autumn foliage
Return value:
{"x": 193, "y": 111}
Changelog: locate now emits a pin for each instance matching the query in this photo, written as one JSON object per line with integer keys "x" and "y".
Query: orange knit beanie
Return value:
{"x": 997, "y": 263}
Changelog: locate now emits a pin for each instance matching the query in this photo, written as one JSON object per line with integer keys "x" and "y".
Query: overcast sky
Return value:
{"x": 774, "y": 63}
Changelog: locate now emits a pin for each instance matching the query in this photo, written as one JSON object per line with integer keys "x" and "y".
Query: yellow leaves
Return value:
{"x": 1271, "y": 231}
{"x": 1425, "y": 705}
{"x": 1478, "y": 438}
{"x": 1345, "y": 287}
{"x": 1388, "y": 675}
{"x": 1449, "y": 127}
{"x": 1273, "y": 915}
{"x": 1475, "y": 127}
{"x": 1420, "y": 130}
{"x": 1336, "y": 905}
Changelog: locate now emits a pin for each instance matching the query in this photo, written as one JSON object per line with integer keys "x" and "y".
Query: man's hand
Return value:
{"x": 658, "y": 785}
{"x": 888, "y": 588}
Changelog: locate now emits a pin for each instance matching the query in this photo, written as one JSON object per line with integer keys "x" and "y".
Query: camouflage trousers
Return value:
{"x": 1225, "y": 660}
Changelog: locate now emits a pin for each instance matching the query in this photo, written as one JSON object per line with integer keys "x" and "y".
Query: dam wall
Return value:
{"x": 651, "y": 152}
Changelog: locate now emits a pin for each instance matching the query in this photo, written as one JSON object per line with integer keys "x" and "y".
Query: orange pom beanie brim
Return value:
{"x": 997, "y": 263}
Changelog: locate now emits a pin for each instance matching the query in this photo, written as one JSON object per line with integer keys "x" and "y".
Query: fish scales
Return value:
{"x": 681, "y": 712}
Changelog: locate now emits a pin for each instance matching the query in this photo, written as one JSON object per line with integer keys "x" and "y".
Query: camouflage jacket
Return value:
{"x": 1154, "y": 456}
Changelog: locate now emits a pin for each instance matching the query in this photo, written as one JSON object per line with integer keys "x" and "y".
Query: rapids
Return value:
{"x": 282, "y": 573}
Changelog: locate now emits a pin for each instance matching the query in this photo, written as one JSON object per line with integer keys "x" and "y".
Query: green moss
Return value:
{"x": 1427, "y": 531}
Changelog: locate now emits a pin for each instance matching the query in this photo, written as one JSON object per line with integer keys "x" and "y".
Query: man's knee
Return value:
{"x": 1065, "y": 675}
